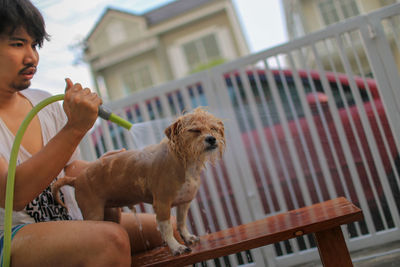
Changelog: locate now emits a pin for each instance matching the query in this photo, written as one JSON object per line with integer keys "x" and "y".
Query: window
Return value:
{"x": 387, "y": 2}
{"x": 333, "y": 11}
{"x": 289, "y": 99}
{"x": 201, "y": 51}
{"x": 328, "y": 12}
{"x": 138, "y": 79}
{"x": 297, "y": 25}
{"x": 348, "y": 8}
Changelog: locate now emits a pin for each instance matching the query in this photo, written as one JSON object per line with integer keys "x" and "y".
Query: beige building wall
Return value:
{"x": 113, "y": 75}
{"x": 101, "y": 41}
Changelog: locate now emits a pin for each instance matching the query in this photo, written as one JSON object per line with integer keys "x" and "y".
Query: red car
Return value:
{"x": 300, "y": 136}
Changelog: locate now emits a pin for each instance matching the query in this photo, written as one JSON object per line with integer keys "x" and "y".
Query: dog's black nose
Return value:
{"x": 211, "y": 140}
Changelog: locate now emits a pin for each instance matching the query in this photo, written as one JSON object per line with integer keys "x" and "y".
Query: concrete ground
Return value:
{"x": 382, "y": 256}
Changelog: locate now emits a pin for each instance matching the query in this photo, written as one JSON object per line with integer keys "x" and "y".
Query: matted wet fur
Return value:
{"x": 165, "y": 175}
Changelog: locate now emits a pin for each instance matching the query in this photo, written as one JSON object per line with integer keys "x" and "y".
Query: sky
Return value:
{"x": 68, "y": 21}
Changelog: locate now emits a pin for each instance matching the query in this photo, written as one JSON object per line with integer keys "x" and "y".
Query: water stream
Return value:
{"x": 149, "y": 132}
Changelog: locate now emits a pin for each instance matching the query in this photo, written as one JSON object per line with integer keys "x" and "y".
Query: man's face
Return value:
{"x": 18, "y": 60}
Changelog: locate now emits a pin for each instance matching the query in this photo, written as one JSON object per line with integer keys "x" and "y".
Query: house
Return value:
{"x": 307, "y": 16}
{"x": 128, "y": 52}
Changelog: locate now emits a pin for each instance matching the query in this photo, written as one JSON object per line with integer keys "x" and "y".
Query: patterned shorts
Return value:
{"x": 14, "y": 230}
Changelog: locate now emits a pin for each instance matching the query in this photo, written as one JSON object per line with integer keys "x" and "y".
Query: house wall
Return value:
{"x": 113, "y": 74}
{"x": 368, "y": 6}
{"x": 100, "y": 42}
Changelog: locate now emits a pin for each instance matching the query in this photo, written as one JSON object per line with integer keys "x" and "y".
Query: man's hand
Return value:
{"x": 81, "y": 106}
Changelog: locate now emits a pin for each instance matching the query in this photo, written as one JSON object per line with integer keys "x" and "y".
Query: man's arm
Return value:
{"x": 36, "y": 173}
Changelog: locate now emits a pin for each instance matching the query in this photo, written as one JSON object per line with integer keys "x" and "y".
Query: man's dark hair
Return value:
{"x": 22, "y": 13}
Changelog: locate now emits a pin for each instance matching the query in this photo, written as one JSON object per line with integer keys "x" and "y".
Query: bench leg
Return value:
{"x": 332, "y": 248}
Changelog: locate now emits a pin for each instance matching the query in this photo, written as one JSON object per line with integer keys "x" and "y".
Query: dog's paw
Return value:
{"x": 190, "y": 239}
{"x": 180, "y": 250}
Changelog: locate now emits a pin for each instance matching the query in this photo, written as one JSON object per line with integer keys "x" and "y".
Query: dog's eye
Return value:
{"x": 194, "y": 130}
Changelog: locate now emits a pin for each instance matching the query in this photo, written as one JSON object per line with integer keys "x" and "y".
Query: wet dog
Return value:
{"x": 165, "y": 175}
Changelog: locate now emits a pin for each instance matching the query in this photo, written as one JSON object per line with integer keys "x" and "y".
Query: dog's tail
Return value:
{"x": 55, "y": 188}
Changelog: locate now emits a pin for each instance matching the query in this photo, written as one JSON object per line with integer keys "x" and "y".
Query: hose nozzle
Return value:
{"x": 106, "y": 114}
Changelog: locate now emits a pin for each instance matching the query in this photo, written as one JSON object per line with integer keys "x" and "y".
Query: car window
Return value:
{"x": 288, "y": 96}
{"x": 347, "y": 94}
{"x": 266, "y": 105}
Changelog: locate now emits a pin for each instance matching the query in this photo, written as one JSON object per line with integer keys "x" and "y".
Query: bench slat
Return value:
{"x": 316, "y": 218}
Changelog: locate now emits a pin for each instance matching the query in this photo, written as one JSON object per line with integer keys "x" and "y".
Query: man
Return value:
{"x": 45, "y": 233}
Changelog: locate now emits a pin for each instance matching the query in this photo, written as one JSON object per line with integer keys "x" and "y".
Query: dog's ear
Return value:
{"x": 221, "y": 131}
{"x": 221, "y": 128}
{"x": 173, "y": 129}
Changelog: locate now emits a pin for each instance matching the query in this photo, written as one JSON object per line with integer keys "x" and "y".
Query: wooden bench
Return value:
{"x": 323, "y": 220}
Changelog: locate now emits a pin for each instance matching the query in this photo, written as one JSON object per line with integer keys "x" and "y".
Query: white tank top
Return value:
{"x": 43, "y": 208}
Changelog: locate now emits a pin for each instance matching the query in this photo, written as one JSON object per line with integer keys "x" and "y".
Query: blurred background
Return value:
{"x": 308, "y": 91}
{"x": 69, "y": 22}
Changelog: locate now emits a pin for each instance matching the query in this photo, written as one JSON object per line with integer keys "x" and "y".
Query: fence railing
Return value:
{"x": 307, "y": 121}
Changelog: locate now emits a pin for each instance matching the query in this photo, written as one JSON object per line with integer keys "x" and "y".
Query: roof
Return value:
{"x": 160, "y": 14}
{"x": 173, "y": 9}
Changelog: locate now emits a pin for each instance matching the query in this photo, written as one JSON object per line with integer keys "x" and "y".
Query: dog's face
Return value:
{"x": 197, "y": 135}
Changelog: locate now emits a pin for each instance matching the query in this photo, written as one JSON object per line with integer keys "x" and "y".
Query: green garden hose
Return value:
{"x": 103, "y": 113}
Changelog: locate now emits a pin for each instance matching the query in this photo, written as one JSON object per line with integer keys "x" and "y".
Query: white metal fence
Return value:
{"x": 307, "y": 121}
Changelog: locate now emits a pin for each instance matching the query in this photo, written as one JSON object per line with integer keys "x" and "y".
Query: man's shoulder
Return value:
{"x": 36, "y": 94}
